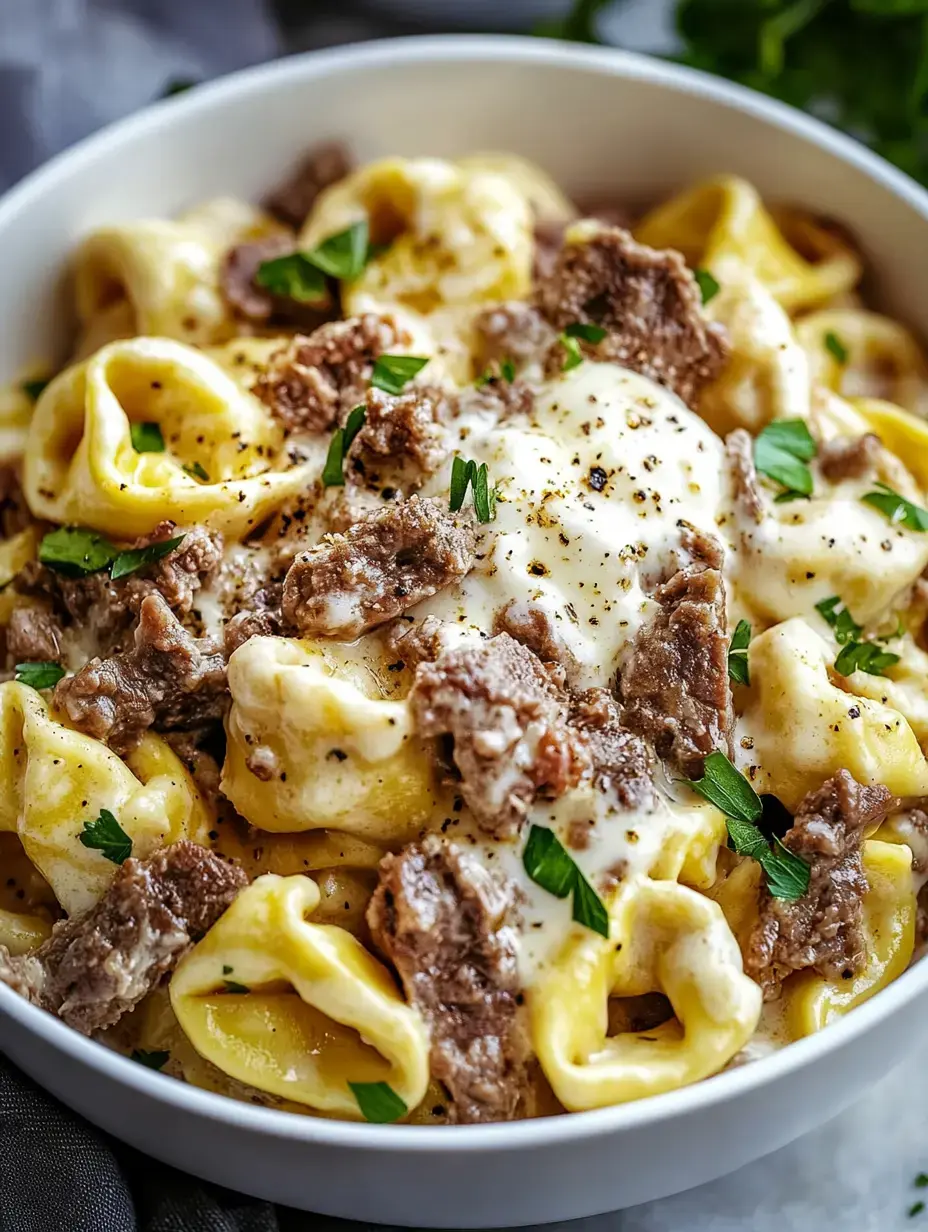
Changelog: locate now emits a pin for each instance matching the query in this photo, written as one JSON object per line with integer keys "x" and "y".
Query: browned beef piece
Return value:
{"x": 622, "y": 762}
{"x": 404, "y": 429}
{"x": 237, "y": 276}
{"x": 109, "y": 607}
{"x": 262, "y": 622}
{"x": 315, "y": 380}
{"x": 33, "y": 635}
{"x": 674, "y": 684}
{"x": 849, "y": 457}
{"x": 647, "y": 301}
{"x": 441, "y": 919}
{"x": 823, "y": 929}
{"x": 531, "y": 625}
{"x": 419, "y": 642}
{"x": 739, "y": 454}
{"x": 508, "y": 721}
{"x": 167, "y": 680}
{"x": 391, "y": 561}
{"x": 95, "y": 967}
{"x": 514, "y": 331}
{"x": 325, "y": 165}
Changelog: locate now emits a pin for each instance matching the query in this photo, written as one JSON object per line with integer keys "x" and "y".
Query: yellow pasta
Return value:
{"x": 57, "y": 780}
{"x": 151, "y": 276}
{"x": 310, "y": 748}
{"x": 803, "y": 728}
{"x": 663, "y": 937}
{"x": 81, "y": 466}
{"x": 725, "y": 218}
{"x": 875, "y": 357}
{"x": 319, "y": 1012}
{"x": 459, "y": 237}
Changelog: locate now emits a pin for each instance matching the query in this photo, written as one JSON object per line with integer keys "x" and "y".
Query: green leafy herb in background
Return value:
{"x": 862, "y": 65}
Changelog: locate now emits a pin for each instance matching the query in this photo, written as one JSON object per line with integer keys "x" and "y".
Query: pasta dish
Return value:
{"x": 465, "y": 649}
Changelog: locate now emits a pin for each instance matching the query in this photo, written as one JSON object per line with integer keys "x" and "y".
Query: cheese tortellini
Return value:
{"x": 466, "y": 879}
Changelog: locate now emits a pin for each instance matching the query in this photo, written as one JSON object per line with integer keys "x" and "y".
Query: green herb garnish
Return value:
{"x": 138, "y": 558}
{"x": 836, "y": 347}
{"x": 709, "y": 286}
{"x": 34, "y": 389}
{"x": 108, "y": 837}
{"x": 478, "y": 477}
{"x": 41, "y": 675}
{"x": 916, "y": 1209}
{"x": 781, "y": 452}
{"x": 787, "y": 874}
{"x": 178, "y": 85}
{"x": 921, "y": 1181}
{"x": 76, "y": 551}
{"x": 548, "y": 863}
{"x": 897, "y": 508}
{"x": 292, "y": 277}
{"x": 152, "y": 1060}
{"x": 146, "y": 438}
{"x": 845, "y": 627}
{"x": 235, "y": 989}
{"x": 196, "y": 471}
{"x": 378, "y": 1102}
{"x": 392, "y": 373}
{"x": 333, "y": 473}
{"x": 571, "y": 338}
{"x": 344, "y": 255}
{"x": 738, "y": 668}
{"x": 864, "y": 657}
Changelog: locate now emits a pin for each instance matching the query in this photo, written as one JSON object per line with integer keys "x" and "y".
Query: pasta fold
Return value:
{"x": 663, "y": 937}
{"x": 57, "y": 780}
{"x": 295, "y": 1008}
{"x": 221, "y": 446}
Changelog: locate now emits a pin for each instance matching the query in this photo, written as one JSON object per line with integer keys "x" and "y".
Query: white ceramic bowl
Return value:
{"x": 599, "y": 121}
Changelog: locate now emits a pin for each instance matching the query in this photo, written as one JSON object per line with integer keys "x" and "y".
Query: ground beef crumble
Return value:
{"x": 622, "y": 764}
{"x": 674, "y": 684}
{"x": 441, "y": 919}
{"x": 312, "y": 383}
{"x": 739, "y": 456}
{"x": 507, "y": 718}
{"x": 377, "y": 569}
{"x": 849, "y": 457}
{"x": 404, "y": 430}
{"x": 95, "y": 967}
{"x": 823, "y": 929}
{"x": 167, "y": 680}
{"x": 295, "y": 196}
{"x": 647, "y": 301}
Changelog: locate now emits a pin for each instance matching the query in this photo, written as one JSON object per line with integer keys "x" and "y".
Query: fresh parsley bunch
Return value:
{"x": 860, "y": 64}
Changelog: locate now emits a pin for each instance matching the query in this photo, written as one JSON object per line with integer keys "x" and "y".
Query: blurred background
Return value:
{"x": 69, "y": 66}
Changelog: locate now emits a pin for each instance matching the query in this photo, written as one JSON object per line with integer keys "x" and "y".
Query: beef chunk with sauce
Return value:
{"x": 508, "y": 721}
{"x": 256, "y": 304}
{"x": 647, "y": 301}
{"x": 404, "y": 431}
{"x": 295, "y": 196}
{"x": 95, "y": 967}
{"x": 739, "y": 455}
{"x": 33, "y": 635}
{"x": 674, "y": 684}
{"x": 849, "y": 457}
{"x": 167, "y": 680}
{"x": 441, "y": 919}
{"x": 314, "y": 381}
{"x": 514, "y": 331}
{"x": 531, "y": 625}
{"x": 621, "y": 761}
{"x": 823, "y": 929}
{"x": 381, "y": 566}
{"x": 107, "y": 607}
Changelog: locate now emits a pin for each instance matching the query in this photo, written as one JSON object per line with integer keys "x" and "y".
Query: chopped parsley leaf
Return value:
{"x": 333, "y": 473}
{"x": 146, "y": 438}
{"x": 709, "y": 285}
{"x": 897, "y": 508}
{"x": 548, "y": 863}
{"x": 781, "y": 452}
{"x": 392, "y": 373}
{"x": 378, "y": 1102}
{"x": 738, "y": 669}
{"x": 468, "y": 473}
{"x": 138, "y": 558}
{"x": 40, "y": 675}
{"x": 835, "y": 347}
{"x": 108, "y": 837}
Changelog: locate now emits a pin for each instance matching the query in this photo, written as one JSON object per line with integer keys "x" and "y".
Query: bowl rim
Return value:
{"x": 516, "y": 1135}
